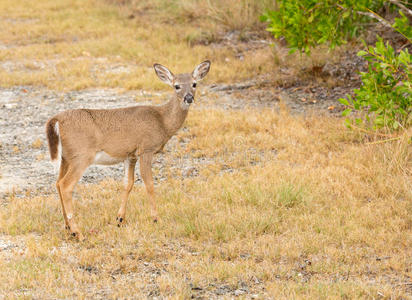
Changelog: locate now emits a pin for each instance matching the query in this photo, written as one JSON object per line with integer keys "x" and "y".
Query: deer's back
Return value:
{"x": 117, "y": 132}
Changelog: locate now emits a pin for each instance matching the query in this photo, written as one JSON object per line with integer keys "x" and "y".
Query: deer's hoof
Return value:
{"x": 78, "y": 236}
{"x": 155, "y": 216}
{"x": 119, "y": 221}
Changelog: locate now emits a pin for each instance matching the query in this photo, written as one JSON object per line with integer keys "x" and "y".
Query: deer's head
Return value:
{"x": 183, "y": 84}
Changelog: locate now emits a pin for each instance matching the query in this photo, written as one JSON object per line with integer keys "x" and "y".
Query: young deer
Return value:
{"x": 81, "y": 137}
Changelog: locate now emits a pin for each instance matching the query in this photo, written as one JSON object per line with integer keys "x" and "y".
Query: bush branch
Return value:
{"x": 405, "y": 10}
{"x": 376, "y": 17}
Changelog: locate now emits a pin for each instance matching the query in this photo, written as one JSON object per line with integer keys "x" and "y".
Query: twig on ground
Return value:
{"x": 370, "y": 132}
{"x": 384, "y": 141}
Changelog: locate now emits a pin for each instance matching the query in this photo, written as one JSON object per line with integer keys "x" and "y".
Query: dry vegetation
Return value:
{"x": 283, "y": 206}
{"x": 80, "y": 44}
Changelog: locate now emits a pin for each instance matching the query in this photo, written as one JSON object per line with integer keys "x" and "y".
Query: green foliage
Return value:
{"x": 402, "y": 26}
{"x": 386, "y": 92}
{"x": 307, "y": 23}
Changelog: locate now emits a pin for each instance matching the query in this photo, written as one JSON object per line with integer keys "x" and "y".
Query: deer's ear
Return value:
{"x": 201, "y": 70}
{"x": 164, "y": 74}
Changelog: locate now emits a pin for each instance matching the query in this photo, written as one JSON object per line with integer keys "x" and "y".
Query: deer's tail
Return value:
{"x": 53, "y": 138}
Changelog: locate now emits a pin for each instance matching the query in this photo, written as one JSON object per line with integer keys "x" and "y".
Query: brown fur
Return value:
{"x": 124, "y": 134}
{"x": 118, "y": 132}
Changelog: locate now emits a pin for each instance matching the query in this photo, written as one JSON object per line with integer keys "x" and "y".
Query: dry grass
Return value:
{"x": 222, "y": 15}
{"x": 308, "y": 210}
{"x": 80, "y": 44}
{"x": 283, "y": 207}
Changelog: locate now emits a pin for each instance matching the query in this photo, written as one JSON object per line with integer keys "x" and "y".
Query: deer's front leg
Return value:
{"x": 128, "y": 181}
{"x": 146, "y": 173}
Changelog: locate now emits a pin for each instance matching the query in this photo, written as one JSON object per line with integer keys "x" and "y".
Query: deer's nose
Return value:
{"x": 188, "y": 98}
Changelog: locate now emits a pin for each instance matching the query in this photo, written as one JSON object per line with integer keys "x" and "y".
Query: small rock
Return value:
{"x": 10, "y": 105}
{"x": 224, "y": 289}
{"x": 239, "y": 292}
{"x": 190, "y": 171}
{"x": 4, "y": 245}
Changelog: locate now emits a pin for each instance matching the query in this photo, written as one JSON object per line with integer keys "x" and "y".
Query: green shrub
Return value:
{"x": 385, "y": 95}
{"x": 307, "y": 23}
{"x": 402, "y": 26}
{"x": 384, "y": 98}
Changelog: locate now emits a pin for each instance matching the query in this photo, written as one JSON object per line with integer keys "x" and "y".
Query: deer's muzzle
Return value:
{"x": 188, "y": 98}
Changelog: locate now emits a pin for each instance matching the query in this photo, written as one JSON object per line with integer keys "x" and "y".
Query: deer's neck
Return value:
{"x": 173, "y": 115}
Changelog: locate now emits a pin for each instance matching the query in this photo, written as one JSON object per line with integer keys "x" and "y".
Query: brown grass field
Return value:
{"x": 287, "y": 207}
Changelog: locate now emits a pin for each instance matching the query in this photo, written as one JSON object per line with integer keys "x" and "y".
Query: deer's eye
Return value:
{"x": 194, "y": 84}
{"x": 177, "y": 87}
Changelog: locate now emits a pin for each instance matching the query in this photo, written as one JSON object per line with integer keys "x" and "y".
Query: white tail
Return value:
{"x": 81, "y": 137}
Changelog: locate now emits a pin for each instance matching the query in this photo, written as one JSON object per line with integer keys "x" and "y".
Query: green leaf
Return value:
{"x": 292, "y": 50}
{"x": 346, "y": 14}
{"x": 348, "y": 123}
{"x": 346, "y": 112}
{"x": 396, "y": 125}
{"x": 344, "y": 101}
{"x": 264, "y": 18}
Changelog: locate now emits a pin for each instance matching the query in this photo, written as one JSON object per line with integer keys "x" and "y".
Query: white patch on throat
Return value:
{"x": 102, "y": 158}
{"x": 184, "y": 105}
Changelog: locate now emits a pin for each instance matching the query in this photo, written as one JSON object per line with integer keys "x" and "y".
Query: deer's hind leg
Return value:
{"x": 64, "y": 166}
{"x": 66, "y": 185}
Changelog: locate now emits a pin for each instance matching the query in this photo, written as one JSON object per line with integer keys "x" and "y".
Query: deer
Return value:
{"x": 79, "y": 138}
